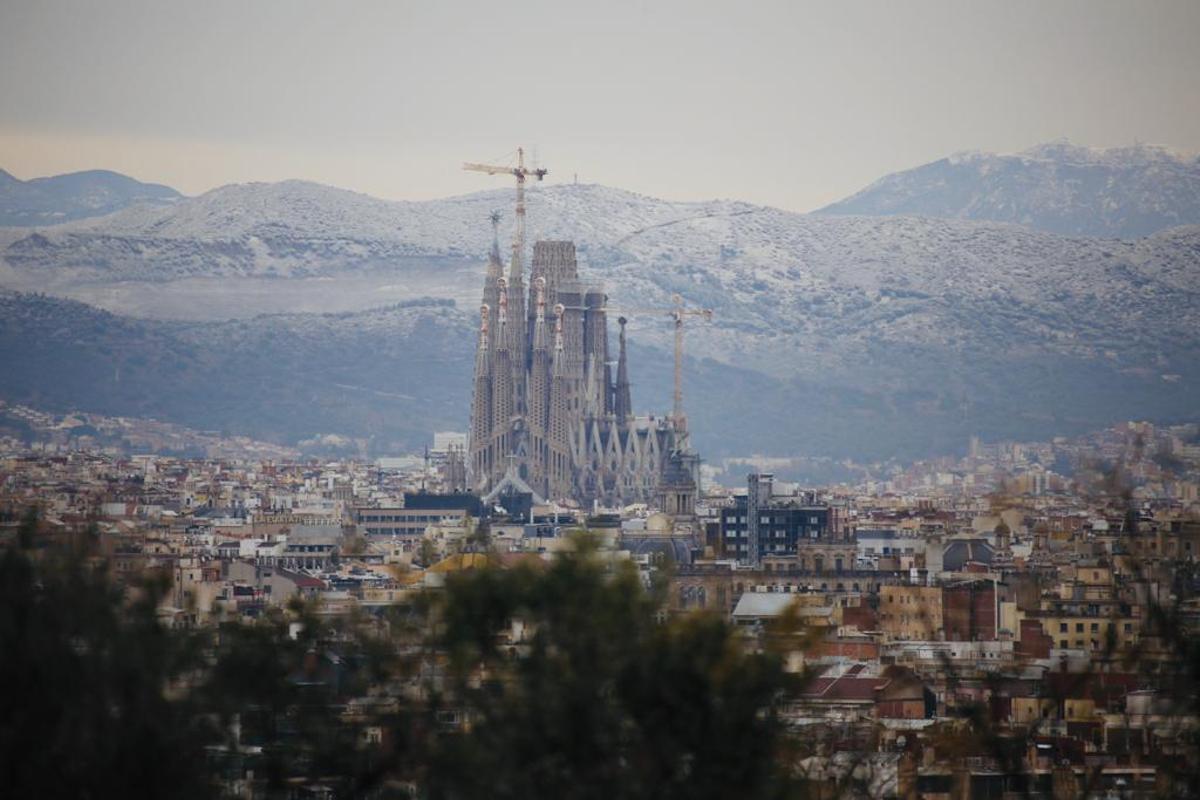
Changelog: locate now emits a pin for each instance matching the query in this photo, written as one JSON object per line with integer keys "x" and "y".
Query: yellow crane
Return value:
{"x": 677, "y": 311}
{"x": 521, "y": 173}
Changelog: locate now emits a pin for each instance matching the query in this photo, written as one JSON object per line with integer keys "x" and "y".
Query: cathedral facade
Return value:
{"x": 548, "y": 414}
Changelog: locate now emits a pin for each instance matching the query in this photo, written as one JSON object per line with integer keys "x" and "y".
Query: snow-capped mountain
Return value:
{"x": 793, "y": 293}
{"x": 847, "y": 333}
{"x": 61, "y": 198}
{"x": 1056, "y": 187}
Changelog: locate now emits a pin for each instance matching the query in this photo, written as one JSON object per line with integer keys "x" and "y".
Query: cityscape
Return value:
{"x": 503, "y": 484}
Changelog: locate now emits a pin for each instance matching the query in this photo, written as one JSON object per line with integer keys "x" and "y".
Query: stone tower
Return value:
{"x": 546, "y": 410}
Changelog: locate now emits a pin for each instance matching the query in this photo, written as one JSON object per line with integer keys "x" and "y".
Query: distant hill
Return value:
{"x": 1058, "y": 187}
{"x": 62, "y": 198}
{"x": 383, "y": 375}
{"x": 794, "y": 294}
{"x": 833, "y": 335}
{"x": 390, "y": 376}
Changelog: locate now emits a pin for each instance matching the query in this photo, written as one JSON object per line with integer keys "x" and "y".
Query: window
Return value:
{"x": 1079, "y": 627}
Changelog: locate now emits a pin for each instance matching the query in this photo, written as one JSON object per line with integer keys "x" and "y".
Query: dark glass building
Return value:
{"x": 783, "y": 525}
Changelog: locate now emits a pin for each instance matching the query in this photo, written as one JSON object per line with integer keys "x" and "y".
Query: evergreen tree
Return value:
{"x": 602, "y": 700}
{"x": 94, "y": 698}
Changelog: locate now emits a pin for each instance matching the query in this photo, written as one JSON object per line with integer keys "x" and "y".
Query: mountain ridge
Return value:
{"x": 791, "y": 280}
{"x": 74, "y": 195}
{"x": 382, "y": 379}
{"x": 876, "y": 327}
{"x": 1056, "y": 187}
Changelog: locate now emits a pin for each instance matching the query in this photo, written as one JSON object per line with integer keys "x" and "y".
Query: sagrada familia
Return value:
{"x": 548, "y": 416}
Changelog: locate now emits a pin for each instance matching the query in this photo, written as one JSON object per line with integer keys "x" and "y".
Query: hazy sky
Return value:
{"x": 787, "y": 103}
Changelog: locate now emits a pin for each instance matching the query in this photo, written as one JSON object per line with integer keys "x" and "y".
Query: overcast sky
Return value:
{"x": 791, "y": 104}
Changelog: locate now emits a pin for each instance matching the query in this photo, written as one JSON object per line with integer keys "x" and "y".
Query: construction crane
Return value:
{"x": 520, "y": 172}
{"x": 677, "y": 311}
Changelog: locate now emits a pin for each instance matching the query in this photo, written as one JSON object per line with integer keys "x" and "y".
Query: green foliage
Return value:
{"x": 353, "y": 546}
{"x": 600, "y": 700}
{"x": 275, "y": 686}
{"x": 84, "y": 706}
{"x": 427, "y": 553}
{"x": 479, "y": 538}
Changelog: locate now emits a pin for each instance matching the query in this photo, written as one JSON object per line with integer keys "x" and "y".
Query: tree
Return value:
{"x": 599, "y": 700}
{"x": 353, "y": 545}
{"x": 427, "y": 552}
{"x": 277, "y": 686}
{"x": 94, "y": 699}
{"x": 479, "y": 536}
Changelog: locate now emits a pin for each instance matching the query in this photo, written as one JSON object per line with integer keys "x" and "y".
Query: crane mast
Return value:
{"x": 677, "y": 311}
{"x": 521, "y": 173}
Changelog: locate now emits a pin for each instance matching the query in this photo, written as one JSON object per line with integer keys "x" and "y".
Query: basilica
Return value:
{"x": 548, "y": 415}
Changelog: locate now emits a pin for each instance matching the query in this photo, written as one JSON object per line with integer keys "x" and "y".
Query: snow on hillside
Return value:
{"x": 863, "y": 334}
{"x": 794, "y": 294}
{"x": 1057, "y": 187}
{"x": 311, "y": 211}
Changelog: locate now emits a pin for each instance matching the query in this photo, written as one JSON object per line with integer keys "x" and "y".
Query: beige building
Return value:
{"x": 1072, "y": 630}
{"x": 911, "y": 612}
{"x": 405, "y": 522}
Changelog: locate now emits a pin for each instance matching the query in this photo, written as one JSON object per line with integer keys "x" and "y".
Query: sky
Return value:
{"x": 791, "y": 104}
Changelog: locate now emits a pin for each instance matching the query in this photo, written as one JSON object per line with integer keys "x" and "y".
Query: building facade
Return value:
{"x": 761, "y": 524}
{"x": 404, "y": 523}
{"x": 548, "y": 416}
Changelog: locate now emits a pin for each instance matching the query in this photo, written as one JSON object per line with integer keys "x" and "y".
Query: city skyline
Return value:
{"x": 824, "y": 424}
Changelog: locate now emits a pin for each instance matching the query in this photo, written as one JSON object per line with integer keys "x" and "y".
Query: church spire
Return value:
{"x": 502, "y": 342}
{"x": 481, "y": 405}
{"x": 494, "y": 256}
{"x": 495, "y": 268}
{"x": 622, "y": 402}
{"x": 560, "y": 356}
{"x": 538, "y": 388}
{"x": 558, "y": 465}
{"x": 539, "y": 319}
{"x": 503, "y": 407}
{"x": 482, "y": 362}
